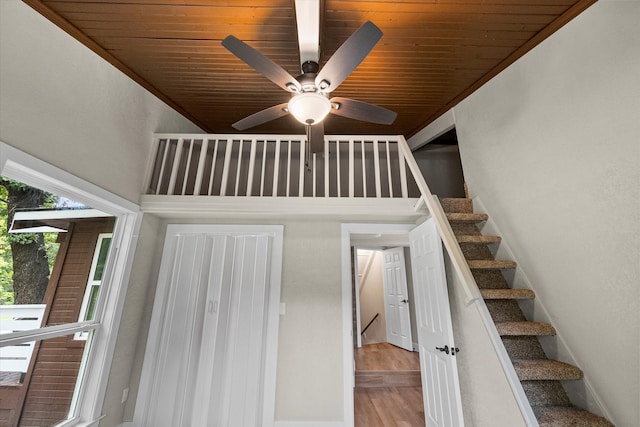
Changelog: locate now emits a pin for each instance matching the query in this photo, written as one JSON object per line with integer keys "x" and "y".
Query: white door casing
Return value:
{"x": 396, "y": 298}
{"x": 441, "y": 389}
{"x": 212, "y": 346}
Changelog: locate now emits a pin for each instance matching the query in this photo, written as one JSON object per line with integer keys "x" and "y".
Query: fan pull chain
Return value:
{"x": 307, "y": 157}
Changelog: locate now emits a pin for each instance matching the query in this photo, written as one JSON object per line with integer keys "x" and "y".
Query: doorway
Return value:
{"x": 387, "y": 369}
{"x": 439, "y": 380}
{"x": 383, "y": 296}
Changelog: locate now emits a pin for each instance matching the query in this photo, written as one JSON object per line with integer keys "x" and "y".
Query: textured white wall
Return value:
{"x": 309, "y": 384}
{"x": 551, "y": 147}
{"x": 487, "y": 399}
{"x": 62, "y": 103}
{"x": 372, "y": 302}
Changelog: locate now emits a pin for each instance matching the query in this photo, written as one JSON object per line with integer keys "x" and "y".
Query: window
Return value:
{"x": 102, "y": 304}
{"x": 92, "y": 291}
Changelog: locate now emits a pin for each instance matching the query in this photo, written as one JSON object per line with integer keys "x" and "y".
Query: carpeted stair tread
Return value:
{"x": 507, "y": 294}
{"x": 466, "y": 217}
{"x": 478, "y": 239}
{"x": 457, "y": 205}
{"x": 525, "y": 328}
{"x": 491, "y": 264}
{"x": 543, "y": 369}
{"x": 563, "y": 416}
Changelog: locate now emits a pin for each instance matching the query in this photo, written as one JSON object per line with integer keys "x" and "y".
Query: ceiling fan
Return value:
{"x": 309, "y": 102}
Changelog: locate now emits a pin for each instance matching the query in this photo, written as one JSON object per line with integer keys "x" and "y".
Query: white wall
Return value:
{"x": 487, "y": 399}
{"x": 551, "y": 147}
{"x": 309, "y": 383}
{"x": 62, "y": 103}
{"x": 132, "y": 335}
{"x": 372, "y": 302}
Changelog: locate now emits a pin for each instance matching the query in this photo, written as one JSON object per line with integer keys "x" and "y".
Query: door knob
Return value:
{"x": 445, "y": 349}
{"x": 406, "y": 301}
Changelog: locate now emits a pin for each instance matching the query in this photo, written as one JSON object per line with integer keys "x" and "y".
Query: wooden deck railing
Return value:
{"x": 17, "y": 318}
{"x": 276, "y": 166}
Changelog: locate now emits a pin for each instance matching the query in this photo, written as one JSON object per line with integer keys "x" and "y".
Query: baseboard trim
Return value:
{"x": 309, "y": 424}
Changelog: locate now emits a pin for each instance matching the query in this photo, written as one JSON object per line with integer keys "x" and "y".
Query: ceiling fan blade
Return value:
{"x": 363, "y": 111}
{"x": 308, "y": 23}
{"x": 348, "y": 57}
{"x": 260, "y": 63}
{"x": 261, "y": 117}
{"x": 315, "y": 134}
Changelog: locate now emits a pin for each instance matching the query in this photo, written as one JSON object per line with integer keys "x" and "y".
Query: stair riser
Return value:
{"x": 391, "y": 379}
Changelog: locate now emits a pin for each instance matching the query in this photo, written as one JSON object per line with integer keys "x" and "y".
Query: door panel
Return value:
{"x": 396, "y": 299}
{"x": 210, "y": 368}
{"x": 439, "y": 368}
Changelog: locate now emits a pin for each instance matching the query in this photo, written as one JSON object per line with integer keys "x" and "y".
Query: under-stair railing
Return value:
{"x": 370, "y": 323}
{"x": 276, "y": 166}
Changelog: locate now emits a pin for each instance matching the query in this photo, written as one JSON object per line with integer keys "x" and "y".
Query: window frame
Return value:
{"x": 92, "y": 283}
{"x": 92, "y": 380}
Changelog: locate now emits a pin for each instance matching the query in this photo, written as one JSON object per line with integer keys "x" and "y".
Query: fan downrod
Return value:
{"x": 310, "y": 67}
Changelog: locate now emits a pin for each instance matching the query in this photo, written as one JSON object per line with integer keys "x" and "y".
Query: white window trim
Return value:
{"x": 22, "y": 167}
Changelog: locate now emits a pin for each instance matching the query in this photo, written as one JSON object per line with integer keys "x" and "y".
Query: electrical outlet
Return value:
{"x": 125, "y": 394}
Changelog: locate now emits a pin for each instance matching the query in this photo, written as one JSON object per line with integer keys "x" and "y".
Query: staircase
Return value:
{"x": 541, "y": 377}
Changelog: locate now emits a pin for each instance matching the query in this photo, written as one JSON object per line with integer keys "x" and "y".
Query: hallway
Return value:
{"x": 388, "y": 391}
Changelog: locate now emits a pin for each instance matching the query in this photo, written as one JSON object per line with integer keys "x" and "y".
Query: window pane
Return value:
{"x": 102, "y": 258}
{"x": 93, "y": 300}
{"x": 50, "y": 381}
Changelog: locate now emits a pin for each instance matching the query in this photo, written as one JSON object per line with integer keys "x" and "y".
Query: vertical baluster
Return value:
{"x": 225, "y": 167}
{"x": 338, "y": 182}
{"x": 403, "y": 173}
{"x": 376, "y": 166}
{"x": 252, "y": 165}
{"x": 276, "y": 168}
{"x": 326, "y": 168}
{"x": 175, "y": 167}
{"x": 187, "y": 167}
{"x": 200, "y": 171}
{"x": 264, "y": 166}
{"x": 389, "y": 170}
{"x": 301, "y": 180}
{"x": 213, "y": 167}
{"x": 288, "y": 168}
{"x": 162, "y": 165}
{"x": 364, "y": 170}
{"x": 352, "y": 177}
{"x": 239, "y": 166}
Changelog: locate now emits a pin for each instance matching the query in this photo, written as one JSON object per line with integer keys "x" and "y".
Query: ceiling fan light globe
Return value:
{"x": 309, "y": 108}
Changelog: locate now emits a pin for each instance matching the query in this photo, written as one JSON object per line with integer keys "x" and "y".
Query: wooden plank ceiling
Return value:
{"x": 432, "y": 53}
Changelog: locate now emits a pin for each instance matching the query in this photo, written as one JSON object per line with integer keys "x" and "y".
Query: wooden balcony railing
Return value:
{"x": 276, "y": 166}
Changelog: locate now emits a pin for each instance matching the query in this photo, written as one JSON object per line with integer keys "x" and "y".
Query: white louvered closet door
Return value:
{"x": 211, "y": 338}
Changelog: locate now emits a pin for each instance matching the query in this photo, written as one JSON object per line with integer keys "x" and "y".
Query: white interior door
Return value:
{"x": 441, "y": 390}
{"x": 396, "y": 298}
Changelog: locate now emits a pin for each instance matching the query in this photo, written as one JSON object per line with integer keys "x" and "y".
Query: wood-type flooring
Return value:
{"x": 387, "y": 406}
